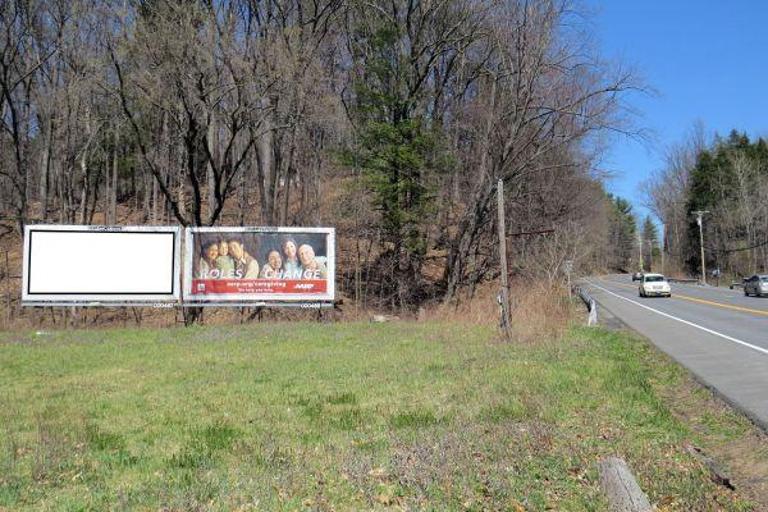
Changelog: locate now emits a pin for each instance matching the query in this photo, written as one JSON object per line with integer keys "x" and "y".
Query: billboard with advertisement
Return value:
{"x": 259, "y": 264}
{"x": 101, "y": 264}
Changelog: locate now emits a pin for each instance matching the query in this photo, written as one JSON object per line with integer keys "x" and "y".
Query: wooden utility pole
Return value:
{"x": 504, "y": 292}
{"x": 700, "y": 221}
{"x": 663, "y": 246}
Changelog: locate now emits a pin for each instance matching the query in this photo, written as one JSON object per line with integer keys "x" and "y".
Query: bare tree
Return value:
{"x": 392, "y": 120}
{"x": 204, "y": 87}
{"x": 666, "y": 193}
{"x": 20, "y": 59}
{"x": 539, "y": 98}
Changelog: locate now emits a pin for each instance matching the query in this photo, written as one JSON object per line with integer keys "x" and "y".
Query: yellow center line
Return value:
{"x": 721, "y": 305}
{"x": 701, "y": 301}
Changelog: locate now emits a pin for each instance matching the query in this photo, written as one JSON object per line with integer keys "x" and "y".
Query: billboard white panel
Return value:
{"x": 248, "y": 265}
{"x": 101, "y": 264}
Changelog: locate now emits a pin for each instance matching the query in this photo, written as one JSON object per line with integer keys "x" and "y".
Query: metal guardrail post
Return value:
{"x": 590, "y": 303}
{"x": 592, "y": 318}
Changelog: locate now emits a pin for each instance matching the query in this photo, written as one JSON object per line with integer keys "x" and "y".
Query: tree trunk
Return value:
{"x": 469, "y": 228}
{"x": 45, "y": 169}
{"x": 266, "y": 171}
{"x": 86, "y": 186}
{"x": 210, "y": 139}
{"x": 472, "y": 219}
{"x": 113, "y": 189}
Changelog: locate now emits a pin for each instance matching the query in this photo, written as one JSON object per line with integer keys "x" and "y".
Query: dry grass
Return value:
{"x": 539, "y": 310}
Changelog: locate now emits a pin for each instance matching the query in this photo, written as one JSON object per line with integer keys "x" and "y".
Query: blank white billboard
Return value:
{"x": 101, "y": 264}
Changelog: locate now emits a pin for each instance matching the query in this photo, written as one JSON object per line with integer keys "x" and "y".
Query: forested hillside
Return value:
{"x": 392, "y": 121}
{"x": 727, "y": 178}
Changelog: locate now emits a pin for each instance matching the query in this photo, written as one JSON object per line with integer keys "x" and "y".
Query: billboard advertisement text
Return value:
{"x": 259, "y": 264}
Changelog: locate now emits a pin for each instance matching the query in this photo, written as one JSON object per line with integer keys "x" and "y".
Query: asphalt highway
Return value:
{"x": 718, "y": 334}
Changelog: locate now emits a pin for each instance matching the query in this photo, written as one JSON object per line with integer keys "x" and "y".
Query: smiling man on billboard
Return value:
{"x": 268, "y": 264}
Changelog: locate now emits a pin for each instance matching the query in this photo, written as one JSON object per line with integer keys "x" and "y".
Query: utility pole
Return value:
{"x": 700, "y": 221}
{"x": 663, "y": 245}
{"x": 504, "y": 293}
{"x": 640, "y": 243}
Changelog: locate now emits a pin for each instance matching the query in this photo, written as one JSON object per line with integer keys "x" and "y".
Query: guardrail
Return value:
{"x": 734, "y": 284}
{"x": 590, "y": 303}
{"x": 682, "y": 280}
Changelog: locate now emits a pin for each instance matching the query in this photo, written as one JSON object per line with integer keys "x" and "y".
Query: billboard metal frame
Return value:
{"x": 117, "y": 298}
{"x": 180, "y": 295}
{"x": 309, "y": 301}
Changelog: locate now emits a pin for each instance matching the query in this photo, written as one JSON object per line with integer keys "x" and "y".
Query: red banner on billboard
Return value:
{"x": 256, "y": 265}
{"x": 258, "y": 286}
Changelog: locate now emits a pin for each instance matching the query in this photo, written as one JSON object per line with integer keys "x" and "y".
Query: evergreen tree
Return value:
{"x": 650, "y": 237}
{"x": 398, "y": 144}
{"x": 716, "y": 186}
{"x": 622, "y": 234}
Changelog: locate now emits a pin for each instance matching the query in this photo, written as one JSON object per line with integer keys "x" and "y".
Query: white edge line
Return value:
{"x": 697, "y": 326}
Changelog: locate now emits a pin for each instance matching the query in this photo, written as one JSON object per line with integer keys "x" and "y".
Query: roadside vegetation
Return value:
{"x": 392, "y": 121}
{"x": 727, "y": 177}
{"x": 432, "y": 415}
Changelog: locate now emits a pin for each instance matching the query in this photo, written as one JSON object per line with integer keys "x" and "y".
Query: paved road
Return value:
{"x": 718, "y": 334}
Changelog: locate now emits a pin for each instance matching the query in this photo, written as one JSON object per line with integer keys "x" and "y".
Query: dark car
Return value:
{"x": 756, "y": 285}
{"x": 637, "y": 276}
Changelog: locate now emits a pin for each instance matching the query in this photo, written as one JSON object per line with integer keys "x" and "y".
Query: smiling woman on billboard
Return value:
{"x": 259, "y": 265}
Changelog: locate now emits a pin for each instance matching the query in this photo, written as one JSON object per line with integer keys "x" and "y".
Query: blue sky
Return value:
{"x": 707, "y": 61}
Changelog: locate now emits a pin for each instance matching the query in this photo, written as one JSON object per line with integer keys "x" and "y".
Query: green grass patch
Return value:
{"x": 343, "y": 416}
{"x": 413, "y": 419}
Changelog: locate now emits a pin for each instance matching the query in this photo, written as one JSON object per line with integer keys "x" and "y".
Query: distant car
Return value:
{"x": 756, "y": 285}
{"x": 654, "y": 285}
{"x": 637, "y": 276}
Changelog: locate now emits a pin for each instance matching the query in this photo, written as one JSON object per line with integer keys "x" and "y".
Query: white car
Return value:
{"x": 654, "y": 285}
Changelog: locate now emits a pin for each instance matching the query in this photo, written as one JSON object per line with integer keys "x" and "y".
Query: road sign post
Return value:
{"x": 568, "y": 268}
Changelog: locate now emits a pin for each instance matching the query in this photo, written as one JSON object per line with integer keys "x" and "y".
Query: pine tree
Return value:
{"x": 397, "y": 147}
{"x": 650, "y": 242}
{"x": 623, "y": 232}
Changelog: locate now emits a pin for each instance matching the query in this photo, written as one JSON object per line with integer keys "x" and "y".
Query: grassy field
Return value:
{"x": 340, "y": 417}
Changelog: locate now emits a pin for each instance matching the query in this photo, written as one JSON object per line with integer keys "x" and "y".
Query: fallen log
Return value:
{"x": 620, "y": 487}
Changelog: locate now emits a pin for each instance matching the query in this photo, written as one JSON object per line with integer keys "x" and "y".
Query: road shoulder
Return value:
{"x": 719, "y": 430}
{"x": 723, "y": 430}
